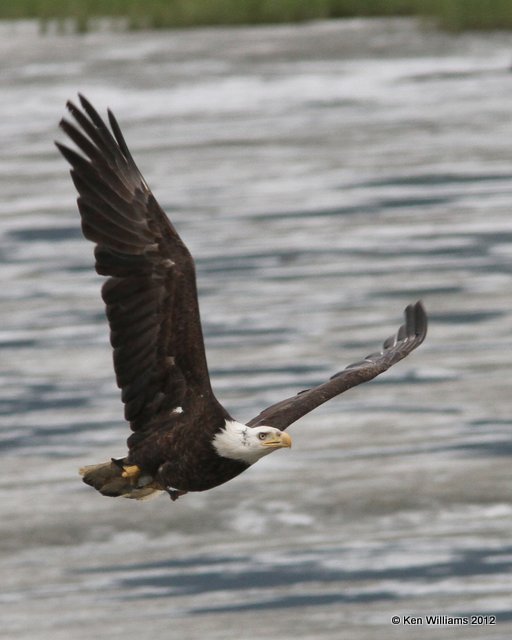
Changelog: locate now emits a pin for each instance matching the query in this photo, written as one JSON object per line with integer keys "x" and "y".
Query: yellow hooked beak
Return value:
{"x": 282, "y": 440}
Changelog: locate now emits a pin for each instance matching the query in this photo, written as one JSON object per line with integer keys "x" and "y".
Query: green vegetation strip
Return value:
{"x": 456, "y": 15}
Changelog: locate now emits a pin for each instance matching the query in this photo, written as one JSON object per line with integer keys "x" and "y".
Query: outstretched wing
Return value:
{"x": 150, "y": 296}
{"x": 410, "y": 335}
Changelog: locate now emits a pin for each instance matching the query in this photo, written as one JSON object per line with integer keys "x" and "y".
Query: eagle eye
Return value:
{"x": 262, "y": 435}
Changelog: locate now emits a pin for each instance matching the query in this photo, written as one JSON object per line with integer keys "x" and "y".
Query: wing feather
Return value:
{"x": 150, "y": 294}
{"x": 409, "y": 336}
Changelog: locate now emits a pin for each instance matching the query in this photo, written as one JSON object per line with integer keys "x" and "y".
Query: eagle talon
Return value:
{"x": 174, "y": 494}
{"x": 132, "y": 472}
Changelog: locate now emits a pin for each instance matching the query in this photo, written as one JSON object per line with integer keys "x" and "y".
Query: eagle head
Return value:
{"x": 248, "y": 444}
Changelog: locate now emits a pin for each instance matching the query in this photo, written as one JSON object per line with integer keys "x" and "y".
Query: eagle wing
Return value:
{"x": 150, "y": 295}
{"x": 410, "y": 335}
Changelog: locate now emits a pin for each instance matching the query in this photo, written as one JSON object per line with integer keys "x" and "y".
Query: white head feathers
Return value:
{"x": 248, "y": 444}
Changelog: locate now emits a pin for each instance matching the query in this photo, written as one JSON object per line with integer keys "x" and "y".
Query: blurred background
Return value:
{"x": 324, "y": 174}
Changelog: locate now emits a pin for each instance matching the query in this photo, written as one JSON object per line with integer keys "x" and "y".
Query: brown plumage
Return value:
{"x": 183, "y": 439}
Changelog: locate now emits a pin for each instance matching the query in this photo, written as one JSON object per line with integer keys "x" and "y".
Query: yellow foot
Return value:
{"x": 132, "y": 472}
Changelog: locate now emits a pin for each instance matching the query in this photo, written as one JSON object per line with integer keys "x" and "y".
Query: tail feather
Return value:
{"x": 107, "y": 479}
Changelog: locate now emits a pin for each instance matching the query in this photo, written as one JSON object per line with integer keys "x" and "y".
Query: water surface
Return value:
{"x": 324, "y": 176}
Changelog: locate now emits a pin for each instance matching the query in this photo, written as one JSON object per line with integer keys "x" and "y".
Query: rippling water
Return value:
{"x": 324, "y": 176}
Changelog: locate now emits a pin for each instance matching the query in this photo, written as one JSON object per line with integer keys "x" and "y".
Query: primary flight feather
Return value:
{"x": 183, "y": 439}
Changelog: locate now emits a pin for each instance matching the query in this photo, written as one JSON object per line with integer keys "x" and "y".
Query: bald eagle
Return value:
{"x": 183, "y": 439}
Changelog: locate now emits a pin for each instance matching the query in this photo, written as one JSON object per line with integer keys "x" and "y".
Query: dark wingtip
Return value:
{"x": 420, "y": 320}
{"x": 63, "y": 123}
{"x": 91, "y": 112}
{"x": 414, "y": 327}
{"x": 66, "y": 126}
{"x": 65, "y": 151}
{"x": 83, "y": 100}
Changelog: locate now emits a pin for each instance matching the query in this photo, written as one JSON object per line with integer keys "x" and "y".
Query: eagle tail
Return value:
{"x": 108, "y": 479}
